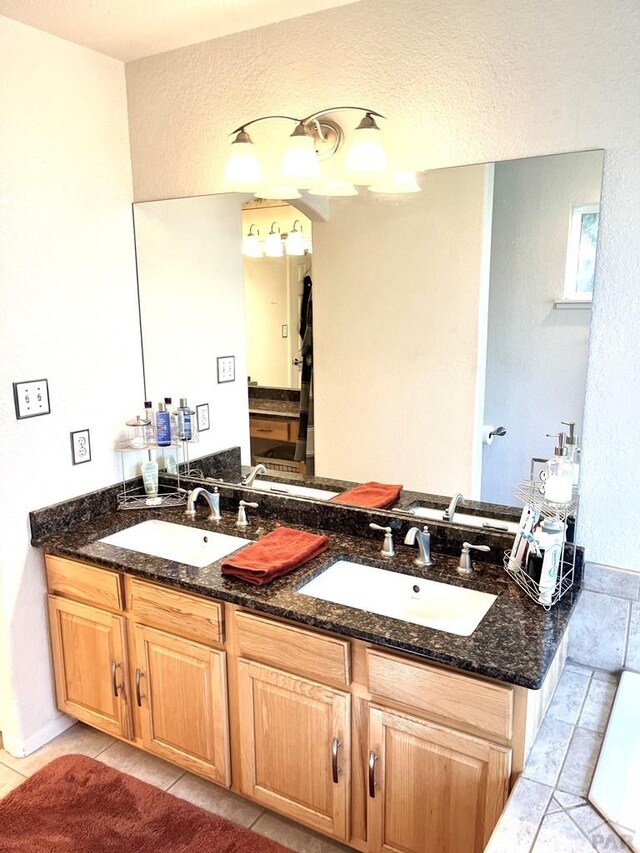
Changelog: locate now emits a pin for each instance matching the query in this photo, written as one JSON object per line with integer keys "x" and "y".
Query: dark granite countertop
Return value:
{"x": 514, "y": 643}
{"x": 277, "y": 408}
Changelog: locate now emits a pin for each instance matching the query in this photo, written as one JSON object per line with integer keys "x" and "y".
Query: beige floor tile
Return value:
{"x": 9, "y": 779}
{"x": 545, "y": 759}
{"x": 78, "y": 739}
{"x": 580, "y": 763}
{"x": 294, "y": 836}
{"x": 215, "y": 799}
{"x": 135, "y": 762}
{"x": 597, "y": 708}
{"x": 558, "y": 834}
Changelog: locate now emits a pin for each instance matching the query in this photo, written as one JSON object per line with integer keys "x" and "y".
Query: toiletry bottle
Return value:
{"x": 573, "y": 451}
{"x": 558, "y": 473}
{"x": 149, "y": 430}
{"x": 549, "y": 536}
{"x": 163, "y": 426}
{"x": 173, "y": 417}
{"x": 184, "y": 420}
{"x": 150, "y": 478}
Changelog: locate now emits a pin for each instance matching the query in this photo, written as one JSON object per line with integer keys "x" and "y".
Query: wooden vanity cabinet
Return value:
{"x": 431, "y": 789}
{"x": 90, "y": 662}
{"x": 295, "y": 746}
{"x": 380, "y": 750}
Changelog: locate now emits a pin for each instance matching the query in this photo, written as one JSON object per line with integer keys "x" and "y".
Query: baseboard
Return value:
{"x": 21, "y": 747}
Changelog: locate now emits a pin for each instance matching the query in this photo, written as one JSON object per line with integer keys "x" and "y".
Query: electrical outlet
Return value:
{"x": 31, "y": 398}
{"x": 80, "y": 446}
{"x": 202, "y": 414}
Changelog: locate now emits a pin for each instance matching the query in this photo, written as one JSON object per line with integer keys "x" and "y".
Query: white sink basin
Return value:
{"x": 481, "y": 521}
{"x": 291, "y": 489}
{"x": 435, "y": 605}
{"x": 190, "y": 545}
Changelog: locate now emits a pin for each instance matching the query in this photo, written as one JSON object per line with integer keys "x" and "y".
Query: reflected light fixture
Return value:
{"x": 396, "y": 183}
{"x": 251, "y": 246}
{"x": 273, "y": 242}
{"x": 315, "y": 138}
{"x": 295, "y": 242}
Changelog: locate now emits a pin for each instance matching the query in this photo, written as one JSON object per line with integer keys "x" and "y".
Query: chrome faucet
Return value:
{"x": 465, "y": 566}
{"x": 423, "y": 537}
{"x": 248, "y": 479}
{"x": 450, "y": 511}
{"x": 212, "y": 498}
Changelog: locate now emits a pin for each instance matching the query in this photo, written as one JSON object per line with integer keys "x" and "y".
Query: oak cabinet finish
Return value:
{"x": 295, "y": 746}
{"x": 89, "y": 650}
{"x": 382, "y": 751}
{"x": 431, "y": 789}
{"x": 181, "y": 691}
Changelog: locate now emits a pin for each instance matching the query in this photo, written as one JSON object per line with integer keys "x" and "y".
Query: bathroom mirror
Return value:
{"x": 435, "y": 316}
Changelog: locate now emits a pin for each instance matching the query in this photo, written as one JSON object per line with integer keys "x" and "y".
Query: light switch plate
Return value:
{"x": 226, "y": 368}
{"x": 80, "y": 446}
{"x": 31, "y": 398}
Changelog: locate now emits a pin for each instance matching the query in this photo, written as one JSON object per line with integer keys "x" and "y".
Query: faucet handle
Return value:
{"x": 387, "y": 546}
{"x": 465, "y": 567}
{"x": 242, "y": 513}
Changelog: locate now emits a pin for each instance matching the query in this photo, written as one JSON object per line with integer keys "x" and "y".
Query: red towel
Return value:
{"x": 276, "y": 554}
{"x": 374, "y": 495}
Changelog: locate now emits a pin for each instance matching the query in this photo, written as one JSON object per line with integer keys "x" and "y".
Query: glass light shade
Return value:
{"x": 308, "y": 246}
{"x": 281, "y": 193}
{"x": 251, "y": 246}
{"x": 396, "y": 183}
{"x": 300, "y": 165}
{"x": 294, "y": 244}
{"x": 273, "y": 243}
{"x": 242, "y": 172}
{"x": 334, "y": 188}
{"x": 366, "y": 160}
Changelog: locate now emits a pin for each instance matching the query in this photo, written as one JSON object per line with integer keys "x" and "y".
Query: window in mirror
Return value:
{"x": 581, "y": 252}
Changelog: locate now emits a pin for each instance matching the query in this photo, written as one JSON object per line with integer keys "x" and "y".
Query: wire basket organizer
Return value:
{"x": 528, "y": 492}
{"x": 135, "y": 497}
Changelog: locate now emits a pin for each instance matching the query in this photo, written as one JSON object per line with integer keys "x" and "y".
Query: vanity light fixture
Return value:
{"x": 295, "y": 242}
{"x": 314, "y": 138}
{"x": 251, "y": 245}
{"x": 396, "y": 183}
{"x": 273, "y": 242}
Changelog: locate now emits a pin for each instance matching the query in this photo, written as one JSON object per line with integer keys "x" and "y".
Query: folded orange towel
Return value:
{"x": 374, "y": 495}
{"x": 276, "y": 554}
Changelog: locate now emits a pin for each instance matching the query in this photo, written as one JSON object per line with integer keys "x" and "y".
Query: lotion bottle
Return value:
{"x": 573, "y": 451}
{"x": 558, "y": 473}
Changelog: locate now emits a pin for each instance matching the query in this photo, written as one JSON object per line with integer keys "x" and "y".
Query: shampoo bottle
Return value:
{"x": 163, "y": 426}
{"x": 558, "y": 474}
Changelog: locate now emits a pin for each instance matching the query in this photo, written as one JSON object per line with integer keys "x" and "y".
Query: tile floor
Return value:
{"x": 548, "y": 811}
{"x": 129, "y": 759}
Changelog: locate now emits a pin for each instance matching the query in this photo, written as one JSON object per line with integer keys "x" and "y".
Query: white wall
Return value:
{"x": 68, "y": 313}
{"x": 537, "y": 355}
{"x": 192, "y": 307}
{"x": 461, "y": 82}
{"x": 396, "y": 305}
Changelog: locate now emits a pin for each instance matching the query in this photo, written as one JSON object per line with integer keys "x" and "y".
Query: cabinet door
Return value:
{"x": 90, "y": 665}
{"x": 295, "y": 746}
{"x": 431, "y": 788}
{"x": 181, "y": 691}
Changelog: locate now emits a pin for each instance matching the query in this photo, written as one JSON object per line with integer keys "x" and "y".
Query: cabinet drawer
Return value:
{"x": 182, "y": 614}
{"x": 293, "y": 649}
{"x": 485, "y": 706}
{"x": 84, "y": 583}
{"x": 264, "y": 428}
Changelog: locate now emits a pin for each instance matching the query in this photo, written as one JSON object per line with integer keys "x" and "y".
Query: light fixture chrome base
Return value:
{"x": 327, "y": 135}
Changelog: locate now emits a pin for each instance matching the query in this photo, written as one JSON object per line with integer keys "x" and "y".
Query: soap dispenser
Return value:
{"x": 558, "y": 473}
{"x": 573, "y": 451}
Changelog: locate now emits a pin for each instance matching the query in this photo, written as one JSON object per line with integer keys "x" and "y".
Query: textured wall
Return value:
{"x": 461, "y": 82}
{"x": 68, "y": 313}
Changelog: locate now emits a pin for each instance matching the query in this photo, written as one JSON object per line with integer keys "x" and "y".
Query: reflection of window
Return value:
{"x": 581, "y": 252}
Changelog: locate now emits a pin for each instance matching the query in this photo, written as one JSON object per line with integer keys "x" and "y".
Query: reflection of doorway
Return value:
{"x": 273, "y": 295}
